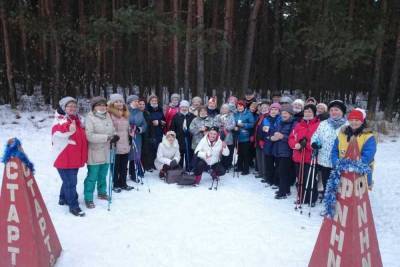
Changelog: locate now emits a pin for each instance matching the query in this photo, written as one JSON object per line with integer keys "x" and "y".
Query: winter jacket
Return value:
{"x": 170, "y": 113}
{"x": 211, "y": 153}
{"x": 225, "y": 123}
{"x": 325, "y": 135}
{"x": 298, "y": 116}
{"x": 249, "y": 102}
{"x": 258, "y": 132}
{"x": 247, "y": 119}
{"x": 98, "y": 129}
{"x": 366, "y": 144}
{"x": 181, "y": 129}
{"x": 121, "y": 125}
{"x": 303, "y": 129}
{"x": 167, "y": 152}
{"x": 272, "y": 123}
{"x": 281, "y": 147}
{"x": 69, "y": 149}
{"x": 195, "y": 127}
{"x": 155, "y": 132}
{"x": 137, "y": 128}
{"x": 212, "y": 112}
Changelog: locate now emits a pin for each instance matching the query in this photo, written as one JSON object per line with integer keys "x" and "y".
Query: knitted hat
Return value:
{"x": 323, "y": 105}
{"x": 131, "y": 98}
{"x": 97, "y": 100}
{"x": 275, "y": 105}
{"x": 152, "y": 96}
{"x": 65, "y": 100}
{"x": 286, "y": 99}
{"x": 338, "y": 104}
{"x": 357, "y": 114}
{"x": 299, "y": 101}
{"x": 116, "y": 97}
{"x": 312, "y": 99}
{"x": 175, "y": 95}
{"x": 170, "y": 133}
{"x": 288, "y": 109}
{"x": 184, "y": 103}
{"x": 312, "y": 107}
{"x": 197, "y": 98}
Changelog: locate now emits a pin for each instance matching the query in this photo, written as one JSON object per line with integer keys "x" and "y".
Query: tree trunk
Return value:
{"x": 10, "y": 75}
{"x": 175, "y": 46}
{"x": 393, "y": 85}
{"x": 250, "y": 44}
{"x": 188, "y": 45}
{"x": 200, "y": 47}
{"x": 374, "y": 93}
{"x": 160, "y": 47}
{"x": 228, "y": 40}
{"x": 277, "y": 43}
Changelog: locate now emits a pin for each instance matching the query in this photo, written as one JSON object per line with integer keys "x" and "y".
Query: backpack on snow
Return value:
{"x": 173, "y": 176}
{"x": 187, "y": 179}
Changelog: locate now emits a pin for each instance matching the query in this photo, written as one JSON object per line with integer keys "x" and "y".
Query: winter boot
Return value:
{"x": 89, "y": 204}
{"x": 102, "y": 196}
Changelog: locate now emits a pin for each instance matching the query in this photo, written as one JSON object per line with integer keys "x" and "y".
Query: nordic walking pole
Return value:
{"x": 300, "y": 180}
{"x": 313, "y": 163}
{"x": 111, "y": 175}
{"x": 307, "y": 183}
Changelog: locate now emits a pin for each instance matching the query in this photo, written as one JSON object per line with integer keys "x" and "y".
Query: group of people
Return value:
{"x": 280, "y": 138}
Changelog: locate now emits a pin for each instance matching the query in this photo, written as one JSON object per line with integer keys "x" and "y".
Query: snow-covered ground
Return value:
{"x": 241, "y": 224}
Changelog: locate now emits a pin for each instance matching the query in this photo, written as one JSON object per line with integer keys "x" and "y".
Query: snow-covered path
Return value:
{"x": 241, "y": 224}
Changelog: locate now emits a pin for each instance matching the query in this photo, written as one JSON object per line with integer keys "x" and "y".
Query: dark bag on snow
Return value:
{"x": 187, "y": 179}
{"x": 173, "y": 176}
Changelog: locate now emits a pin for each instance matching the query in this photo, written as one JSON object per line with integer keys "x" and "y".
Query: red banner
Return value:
{"x": 349, "y": 239}
{"x": 28, "y": 237}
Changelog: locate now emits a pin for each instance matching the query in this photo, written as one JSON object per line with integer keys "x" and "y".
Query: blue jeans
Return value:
{"x": 68, "y": 188}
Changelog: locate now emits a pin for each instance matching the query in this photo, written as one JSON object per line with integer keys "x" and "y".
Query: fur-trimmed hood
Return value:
{"x": 168, "y": 145}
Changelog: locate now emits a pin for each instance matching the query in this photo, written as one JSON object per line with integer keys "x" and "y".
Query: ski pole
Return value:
{"x": 306, "y": 189}
{"x": 300, "y": 180}
{"x": 111, "y": 175}
{"x": 312, "y": 182}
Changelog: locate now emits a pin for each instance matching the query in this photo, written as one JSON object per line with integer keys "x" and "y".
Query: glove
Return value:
{"x": 114, "y": 139}
{"x": 303, "y": 142}
{"x": 316, "y": 146}
{"x": 138, "y": 130}
{"x": 173, "y": 164}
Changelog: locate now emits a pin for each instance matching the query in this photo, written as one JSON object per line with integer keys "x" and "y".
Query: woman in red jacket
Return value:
{"x": 300, "y": 142}
{"x": 70, "y": 151}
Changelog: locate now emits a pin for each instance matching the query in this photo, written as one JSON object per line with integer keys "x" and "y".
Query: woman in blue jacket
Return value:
{"x": 282, "y": 152}
{"x": 244, "y": 124}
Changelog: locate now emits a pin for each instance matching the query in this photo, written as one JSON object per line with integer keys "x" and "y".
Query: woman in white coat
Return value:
{"x": 209, "y": 152}
{"x": 168, "y": 154}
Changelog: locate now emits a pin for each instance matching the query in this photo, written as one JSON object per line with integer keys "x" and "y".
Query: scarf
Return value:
{"x": 336, "y": 123}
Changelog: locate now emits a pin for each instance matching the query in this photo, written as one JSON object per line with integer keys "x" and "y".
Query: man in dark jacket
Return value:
{"x": 282, "y": 152}
{"x": 250, "y": 97}
{"x": 180, "y": 125}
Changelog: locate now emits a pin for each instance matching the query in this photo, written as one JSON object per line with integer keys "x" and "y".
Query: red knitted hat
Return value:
{"x": 356, "y": 114}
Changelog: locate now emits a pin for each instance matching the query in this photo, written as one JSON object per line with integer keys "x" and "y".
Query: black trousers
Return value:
{"x": 270, "y": 170}
{"x": 120, "y": 170}
{"x": 227, "y": 160}
{"x": 244, "y": 157}
{"x": 284, "y": 168}
{"x": 325, "y": 172}
{"x": 201, "y": 166}
{"x": 185, "y": 157}
{"x": 304, "y": 190}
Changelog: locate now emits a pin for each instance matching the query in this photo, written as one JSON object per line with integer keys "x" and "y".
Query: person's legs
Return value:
{"x": 90, "y": 181}
{"x": 102, "y": 180}
{"x": 123, "y": 171}
{"x": 244, "y": 154}
{"x": 269, "y": 169}
{"x": 199, "y": 168}
{"x": 284, "y": 175}
{"x": 70, "y": 177}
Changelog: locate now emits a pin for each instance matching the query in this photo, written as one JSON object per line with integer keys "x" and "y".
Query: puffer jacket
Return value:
{"x": 272, "y": 123}
{"x": 303, "y": 129}
{"x": 98, "y": 129}
{"x": 211, "y": 153}
{"x": 281, "y": 147}
{"x": 225, "y": 123}
{"x": 247, "y": 118}
{"x": 121, "y": 125}
{"x": 167, "y": 152}
{"x": 195, "y": 127}
{"x": 155, "y": 133}
{"x": 69, "y": 149}
{"x": 137, "y": 128}
{"x": 170, "y": 113}
{"x": 325, "y": 135}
